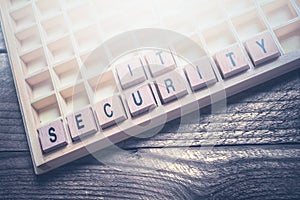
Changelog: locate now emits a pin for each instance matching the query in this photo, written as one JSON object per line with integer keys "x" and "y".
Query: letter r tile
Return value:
{"x": 170, "y": 86}
{"x": 81, "y": 123}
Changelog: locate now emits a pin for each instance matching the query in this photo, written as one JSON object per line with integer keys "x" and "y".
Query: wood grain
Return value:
{"x": 256, "y": 154}
{"x": 239, "y": 172}
{"x": 2, "y": 42}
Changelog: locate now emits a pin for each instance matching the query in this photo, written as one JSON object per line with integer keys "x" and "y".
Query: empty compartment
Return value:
{"x": 81, "y": 16}
{"x": 74, "y": 3}
{"x": 114, "y": 25}
{"x": 235, "y": 6}
{"x": 46, "y": 110}
{"x": 298, "y": 3}
{"x": 28, "y": 38}
{"x": 209, "y": 14}
{"x": 279, "y": 12}
{"x": 18, "y": 3}
{"x": 55, "y": 27}
{"x": 263, "y": 1}
{"x": 142, "y": 17}
{"x": 74, "y": 98}
{"x": 23, "y": 17}
{"x": 103, "y": 86}
{"x": 218, "y": 37}
{"x": 33, "y": 61}
{"x": 289, "y": 36}
{"x": 67, "y": 73}
{"x": 182, "y": 25}
{"x": 61, "y": 50}
{"x": 190, "y": 50}
{"x": 88, "y": 38}
{"x": 40, "y": 85}
{"x": 114, "y": 6}
{"x": 96, "y": 62}
{"x": 48, "y": 8}
{"x": 248, "y": 24}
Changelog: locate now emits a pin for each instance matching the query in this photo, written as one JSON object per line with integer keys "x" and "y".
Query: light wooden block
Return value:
{"x": 262, "y": 48}
{"x": 160, "y": 62}
{"x": 130, "y": 73}
{"x": 231, "y": 61}
{"x": 171, "y": 86}
{"x": 110, "y": 111}
{"x": 200, "y": 74}
{"x": 52, "y": 136}
{"x": 82, "y": 123}
{"x": 140, "y": 100}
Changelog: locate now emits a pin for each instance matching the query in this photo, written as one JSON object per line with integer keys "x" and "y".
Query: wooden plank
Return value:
{"x": 254, "y": 172}
{"x": 2, "y": 43}
{"x": 12, "y": 131}
{"x": 7, "y": 89}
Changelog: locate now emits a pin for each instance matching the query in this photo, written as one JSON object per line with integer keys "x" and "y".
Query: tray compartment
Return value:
{"x": 279, "y": 12}
{"x": 74, "y": 98}
{"x": 218, "y": 37}
{"x": 289, "y": 36}
{"x": 67, "y": 73}
{"x": 33, "y": 61}
{"x": 103, "y": 86}
{"x": 248, "y": 24}
{"x": 40, "y": 85}
{"x": 46, "y": 110}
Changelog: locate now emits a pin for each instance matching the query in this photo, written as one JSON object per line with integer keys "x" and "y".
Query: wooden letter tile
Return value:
{"x": 130, "y": 73}
{"x": 52, "y": 136}
{"x": 200, "y": 74}
{"x": 171, "y": 86}
{"x": 81, "y": 123}
{"x": 140, "y": 100}
{"x": 160, "y": 62}
{"x": 110, "y": 111}
{"x": 262, "y": 48}
{"x": 231, "y": 61}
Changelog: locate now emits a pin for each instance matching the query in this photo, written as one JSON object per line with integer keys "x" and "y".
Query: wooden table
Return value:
{"x": 256, "y": 155}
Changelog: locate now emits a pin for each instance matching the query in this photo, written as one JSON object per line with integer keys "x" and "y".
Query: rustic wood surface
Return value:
{"x": 256, "y": 153}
